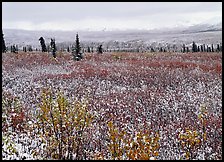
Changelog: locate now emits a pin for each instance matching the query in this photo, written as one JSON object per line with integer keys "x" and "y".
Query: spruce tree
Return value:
{"x": 184, "y": 48}
{"x": 13, "y": 49}
{"x": 42, "y": 43}
{"x": 202, "y": 48}
{"x": 24, "y": 49}
{"x": 100, "y": 49}
{"x": 212, "y": 48}
{"x": 198, "y": 50}
{"x": 77, "y": 45}
{"x": 88, "y": 49}
{"x": 218, "y": 48}
{"x": 209, "y": 49}
{"x": 76, "y": 51}
{"x": 30, "y": 49}
{"x": 3, "y": 44}
{"x": 194, "y": 47}
{"x": 53, "y": 47}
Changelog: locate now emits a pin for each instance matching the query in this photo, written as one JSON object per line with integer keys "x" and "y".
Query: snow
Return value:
{"x": 164, "y": 98}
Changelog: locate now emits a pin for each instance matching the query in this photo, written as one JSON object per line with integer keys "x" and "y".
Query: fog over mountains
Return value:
{"x": 201, "y": 33}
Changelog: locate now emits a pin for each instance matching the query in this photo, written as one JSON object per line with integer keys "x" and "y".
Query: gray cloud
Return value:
{"x": 42, "y": 13}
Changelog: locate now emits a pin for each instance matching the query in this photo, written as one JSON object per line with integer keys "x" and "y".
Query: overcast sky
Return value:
{"x": 107, "y": 15}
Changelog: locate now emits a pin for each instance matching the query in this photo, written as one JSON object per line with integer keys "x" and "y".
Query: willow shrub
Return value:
{"x": 63, "y": 126}
{"x": 142, "y": 145}
{"x": 192, "y": 140}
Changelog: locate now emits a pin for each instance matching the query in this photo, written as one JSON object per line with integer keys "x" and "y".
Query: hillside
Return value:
{"x": 202, "y": 34}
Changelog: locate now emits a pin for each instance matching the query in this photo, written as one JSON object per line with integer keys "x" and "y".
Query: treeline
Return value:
{"x": 115, "y": 46}
{"x": 94, "y": 47}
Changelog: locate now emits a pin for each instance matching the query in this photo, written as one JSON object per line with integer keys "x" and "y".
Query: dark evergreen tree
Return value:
{"x": 3, "y": 44}
{"x": 53, "y": 47}
{"x": 17, "y": 48}
{"x": 194, "y": 47}
{"x": 77, "y": 45}
{"x": 68, "y": 50}
{"x": 42, "y": 43}
{"x": 88, "y": 49}
{"x": 30, "y": 48}
{"x": 198, "y": 50}
{"x": 100, "y": 49}
{"x": 161, "y": 49}
{"x": 152, "y": 50}
{"x": 184, "y": 48}
{"x": 76, "y": 51}
{"x": 13, "y": 49}
{"x": 212, "y": 50}
{"x": 209, "y": 49}
{"x": 218, "y": 48}
{"x": 24, "y": 49}
{"x": 202, "y": 48}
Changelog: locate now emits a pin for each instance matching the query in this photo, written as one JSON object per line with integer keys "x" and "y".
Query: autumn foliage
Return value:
{"x": 122, "y": 106}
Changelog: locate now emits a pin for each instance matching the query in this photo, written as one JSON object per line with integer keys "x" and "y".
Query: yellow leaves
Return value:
{"x": 132, "y": 157}
{"x": 157, "y": 138}
{"x": 112, "y": 138}
{"x": 189, "y": 140}
{"x": 203, "y": 114}
{"x": 58, "y": 118}
{"x": 203, "y": 109}
{"x": 192, "y": 139}
{"x": 55, "y": 156}
{"x": 204, "y": 136}
{"x": 187, "y": 155}
{"x": 141, "y": 146}
{"x": 110, "y": 124}
{"x": 198, "y": 141}
{"x": 204, "y": 123}
{"x": 156, "y": 153}
{"x": 144, "y": 156}
{"x": 200, "y": 116}
{"x": 98, "y": 156}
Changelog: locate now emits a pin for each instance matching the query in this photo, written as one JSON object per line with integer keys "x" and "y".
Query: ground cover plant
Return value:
{"x": 112, "y": 106}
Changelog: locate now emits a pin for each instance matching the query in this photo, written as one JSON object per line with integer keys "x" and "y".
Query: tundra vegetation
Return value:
{"x": 115, "y": 105}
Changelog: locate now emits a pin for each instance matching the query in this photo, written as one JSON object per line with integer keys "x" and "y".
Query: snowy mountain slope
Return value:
{"x": 205, "y": 33}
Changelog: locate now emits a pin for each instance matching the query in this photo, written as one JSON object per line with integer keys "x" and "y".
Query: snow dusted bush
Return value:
{"x": 138, "y": 92}
{"x": 139, "y": 146}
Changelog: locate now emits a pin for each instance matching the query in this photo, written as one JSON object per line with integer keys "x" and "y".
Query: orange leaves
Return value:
{"x": 63, "y": 123}
{"x": 189, "y": 141}
{"x": 141, "y": 146}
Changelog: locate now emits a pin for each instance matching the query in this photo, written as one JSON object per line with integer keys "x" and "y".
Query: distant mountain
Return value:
{"x": 209, "y": 33}
{"x": 203, "y": 28}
